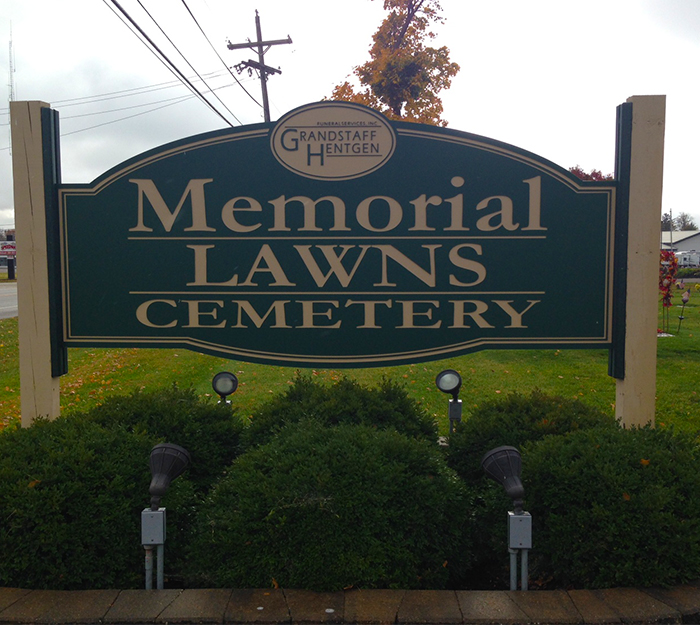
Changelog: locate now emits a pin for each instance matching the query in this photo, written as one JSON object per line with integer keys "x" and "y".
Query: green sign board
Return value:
{"x": 337, "y": 238}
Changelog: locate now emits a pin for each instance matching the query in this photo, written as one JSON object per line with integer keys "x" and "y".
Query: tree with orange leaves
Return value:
{"x": 403, "y": 77}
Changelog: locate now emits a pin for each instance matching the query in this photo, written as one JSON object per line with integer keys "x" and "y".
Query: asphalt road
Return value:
{"x": 8, "y": 300}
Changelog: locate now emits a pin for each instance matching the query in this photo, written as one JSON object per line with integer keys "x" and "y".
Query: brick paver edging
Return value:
{"x": 375, "y": 607}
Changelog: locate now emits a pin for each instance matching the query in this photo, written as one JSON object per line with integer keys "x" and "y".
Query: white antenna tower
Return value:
{"x": 12, "y": 69}
{"x": 11, "y": 83}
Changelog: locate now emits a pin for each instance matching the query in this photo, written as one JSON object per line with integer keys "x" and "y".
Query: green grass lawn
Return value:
{"x": 95, "y": 374}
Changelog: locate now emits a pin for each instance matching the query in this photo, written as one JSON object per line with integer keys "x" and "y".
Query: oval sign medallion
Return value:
{"x": 333, "y": 141}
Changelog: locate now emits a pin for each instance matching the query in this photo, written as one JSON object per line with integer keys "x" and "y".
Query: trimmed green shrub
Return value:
{"x": 209, "y": 431}
{"x": 614, "y": 508}
{"x": 71, "y": 495}
{"x": 512, "y": 420}
{"x": 515, "y": 420}
{"x": 347, "y": 401}
{"x": 329, "y": 508}
{"x": 688, "y": 272}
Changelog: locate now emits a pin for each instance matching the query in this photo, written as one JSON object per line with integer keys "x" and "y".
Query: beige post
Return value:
{"x": 39, "y": 391}
{"x": 636, "y": 394}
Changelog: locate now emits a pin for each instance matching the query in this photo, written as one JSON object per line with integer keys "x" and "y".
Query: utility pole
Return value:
{"x": 261, "y": 47}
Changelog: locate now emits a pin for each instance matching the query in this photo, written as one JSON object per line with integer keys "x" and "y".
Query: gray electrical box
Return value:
{"x": 153, "y": 527}
{"x": 519, "y": 530}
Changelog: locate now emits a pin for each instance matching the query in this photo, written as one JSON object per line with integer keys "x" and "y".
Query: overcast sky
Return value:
{"x": 543, "y": 75}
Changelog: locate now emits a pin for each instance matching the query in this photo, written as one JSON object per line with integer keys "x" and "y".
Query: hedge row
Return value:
{"x": 688, "y": 272}
{"x": 331, "y": 508}
{"x": 330, "y": 487}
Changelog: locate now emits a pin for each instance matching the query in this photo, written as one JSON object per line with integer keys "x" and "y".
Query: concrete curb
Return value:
{"x": 360, "y": 607}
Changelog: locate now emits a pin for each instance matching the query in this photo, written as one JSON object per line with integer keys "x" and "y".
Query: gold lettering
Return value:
{"x": 534, "y": 211}
{"x": 460, "y": 313}
{"x": 465, "y": 263}
{"x": 389, "y": 251}
{"x": 395, "y": 213}
{"x": 200, "y": 268}
{"x": 335, "y": 262}
{"x": 516, "y": 318}
{"x": 410, "y": 313}
{"x": 273, "y": 267}
{"x": 142, "y": 313}
{"x": 505, "y": 214}
{"x": 457, "y": 205}
{"x": 280, "y": 213}
{"x": 196, "y": 314}
{"x": 370, "y": 307}
{"x": 277, "y": 307}
{"x": 308, "y": 313}
{"x": 194, "y": 189}
{"x": 421, "y": 213}
{"x": 229, "y": 219}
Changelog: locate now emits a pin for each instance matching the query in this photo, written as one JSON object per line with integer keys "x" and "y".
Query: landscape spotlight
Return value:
{"x": 503, "y": 464}
{"x": 224, "y": 384}
{"x": 168, "y": 461}
{"x": 449, "y": 381}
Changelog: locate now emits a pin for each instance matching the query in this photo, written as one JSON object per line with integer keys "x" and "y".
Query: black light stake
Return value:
{"x": 504, "y": 464}
{"x": 168, "y": 461}
{"x": 449, "y": 381}
{"x": 684, "y": 299}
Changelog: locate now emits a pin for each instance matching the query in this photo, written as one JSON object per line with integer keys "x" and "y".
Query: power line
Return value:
{"x": 133, "y": 26}
{"x": 125, "y": 93}
{"x": 114, "y": 121}
{"x": 180, "y": 98}
{"x": 162, "y": 57}
{"x": 175, "y": 100}
{"x": 148, "y": 88}
{"x": 166, "y": 103}
{"x": 219, "y": 56}
{"x": 128, "y": 92}
{"x": 114, "y": 95}
{"x": 172, "y": 43}
{"x": 151, "y": 50}
{"x": 170, "y": 63}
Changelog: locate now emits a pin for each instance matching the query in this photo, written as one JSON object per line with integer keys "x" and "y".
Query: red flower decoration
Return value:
{"x": 668, "y": 268}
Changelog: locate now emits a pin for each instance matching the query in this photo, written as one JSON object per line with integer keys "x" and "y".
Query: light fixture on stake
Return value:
{"x": 685, "y": 298}
{"x": 504, "y": 464}
{"x": 449, "y": 381}
{"x": 224, "y": 384}
{"x": 168, "y": 461}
